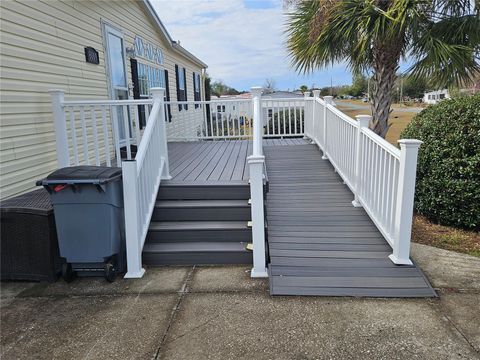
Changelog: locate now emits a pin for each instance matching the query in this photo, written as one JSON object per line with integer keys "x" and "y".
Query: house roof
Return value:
{"x": 174, "y": 45}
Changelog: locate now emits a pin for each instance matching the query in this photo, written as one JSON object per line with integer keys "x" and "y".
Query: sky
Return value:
{"x": 241, "y": 41}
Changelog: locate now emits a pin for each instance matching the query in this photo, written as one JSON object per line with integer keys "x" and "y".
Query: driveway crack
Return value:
{"x": 182, "y": 293}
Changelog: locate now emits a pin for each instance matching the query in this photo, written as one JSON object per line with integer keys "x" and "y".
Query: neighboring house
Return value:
{"x": 434, "y": 97}
{"x": 92, "y": 50}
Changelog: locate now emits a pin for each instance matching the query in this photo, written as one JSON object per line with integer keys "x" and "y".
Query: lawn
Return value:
{"x": 398, "y": 119}
{"x": 424, "y": 231}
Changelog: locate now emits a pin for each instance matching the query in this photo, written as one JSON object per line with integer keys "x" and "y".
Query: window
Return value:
{"x": 196, "y": 88}
{"x": 148, "y": 77}
{"x": 180, "y": 75}
{"x": 144, "y": 78}
{"x": 442, "y": 96}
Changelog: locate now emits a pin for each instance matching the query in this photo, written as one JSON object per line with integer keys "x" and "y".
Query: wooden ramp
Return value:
{"x": 319, "y": 244}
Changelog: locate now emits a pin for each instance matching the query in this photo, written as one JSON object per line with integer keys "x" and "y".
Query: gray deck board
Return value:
{"x": 319, "y": 244}
{"x": 214, "y": 162}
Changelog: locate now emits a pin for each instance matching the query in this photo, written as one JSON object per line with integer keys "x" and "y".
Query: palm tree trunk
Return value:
{"x": 385, "y": 66}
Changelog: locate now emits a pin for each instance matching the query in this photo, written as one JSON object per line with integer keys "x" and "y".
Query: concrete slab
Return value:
{"x": 447, "y": 269}
{"x": 226, "y": 278}
{"x": 463, "y": 311}
{"x": 94, "y": 327}
{"x": 156, "y": 280}
{"x": 10, "y": 289}
{"x": 256, "y": 326}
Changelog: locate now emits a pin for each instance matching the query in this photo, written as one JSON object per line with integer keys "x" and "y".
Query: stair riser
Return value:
{"x": 202, "y": 214}
{"x": 204, "y": 193}
{"x": 207, "y": 258}
{"x": 199, "y": 235}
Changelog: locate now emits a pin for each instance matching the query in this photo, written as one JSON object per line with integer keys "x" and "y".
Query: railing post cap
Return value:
{"x": 154, "y": 90}
{"x": 256, "y": 90}
{"x": 306, "y": 94}
{"x": 56, "y": 91}
{"x": 363, "y": 120}
{"x": 316, "y": 93}
{"x": 410, "y": 143}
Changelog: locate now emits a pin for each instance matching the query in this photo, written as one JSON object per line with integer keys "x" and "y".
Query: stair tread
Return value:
{"x": 198, "y": 225}
{"x": 179, "y": 247}
{"x": 201, "y": 203}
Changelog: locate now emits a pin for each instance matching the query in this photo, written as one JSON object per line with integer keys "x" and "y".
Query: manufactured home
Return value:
{"x": 90, "y": 50}
{"x": 313, "y": 199}
{"x": 433, "y": 97}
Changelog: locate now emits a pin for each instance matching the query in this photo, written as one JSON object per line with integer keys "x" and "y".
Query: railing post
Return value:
{"x": 61, "y": 140}
{"x": 132, "y": 238}
{"x": 327, "y": 101}
{"x": 316, "y": 95}
{"x": 404, "y": 203}
{"x": 363, "y": 121}
{"x": 257, "y": 120}
{"x": 256, "y": 163}
{"x": 158, "y": 96}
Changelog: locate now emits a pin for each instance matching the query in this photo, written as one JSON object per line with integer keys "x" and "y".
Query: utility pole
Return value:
{"x": 401, "y": 91}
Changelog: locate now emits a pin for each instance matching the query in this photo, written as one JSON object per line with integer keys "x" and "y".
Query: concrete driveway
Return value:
{"x": 220, "y": 313}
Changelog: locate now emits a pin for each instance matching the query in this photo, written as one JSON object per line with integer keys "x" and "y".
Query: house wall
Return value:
{"x": 41, "y": 48}
{"x": 433, "y": 97}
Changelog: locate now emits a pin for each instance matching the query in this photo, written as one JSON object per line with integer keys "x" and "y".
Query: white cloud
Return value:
{"x": 237, "y": 43}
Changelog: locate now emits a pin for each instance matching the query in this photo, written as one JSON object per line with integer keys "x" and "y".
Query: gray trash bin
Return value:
{"x": 88, "y": 207}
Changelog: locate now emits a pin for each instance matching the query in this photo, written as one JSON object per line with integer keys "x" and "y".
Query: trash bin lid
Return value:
{"x": 83, "y": 175}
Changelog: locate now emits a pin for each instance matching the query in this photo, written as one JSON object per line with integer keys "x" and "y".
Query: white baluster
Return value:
{"x": 363, "y": 121}
{"x": 327, "y": 101}
{"x": 158, "y": 96}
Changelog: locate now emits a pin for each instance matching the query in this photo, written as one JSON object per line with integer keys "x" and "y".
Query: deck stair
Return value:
{"x": 199, "y": 224}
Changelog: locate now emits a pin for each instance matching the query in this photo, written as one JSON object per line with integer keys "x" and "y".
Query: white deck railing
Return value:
{"x": 97, "y": 132}
{"x": 209, "y": 120}
{"x": 283, "y": 117}
{"x": 381, "y": 176}
{"x": 141, "y": 180}
{"x": 89, "y": 132}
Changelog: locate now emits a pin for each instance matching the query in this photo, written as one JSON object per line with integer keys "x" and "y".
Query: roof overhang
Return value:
{"x": 174, "y": 45}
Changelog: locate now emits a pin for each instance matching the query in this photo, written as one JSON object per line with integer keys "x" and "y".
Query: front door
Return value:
{"x": 117, "y": 77}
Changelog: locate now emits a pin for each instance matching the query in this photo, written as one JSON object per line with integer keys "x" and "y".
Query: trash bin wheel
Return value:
{"x": 67, "y": 272}
{"x": 110, "y": 272}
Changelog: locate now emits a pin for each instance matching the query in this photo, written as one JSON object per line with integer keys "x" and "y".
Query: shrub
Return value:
{"x": 448, "y": 175}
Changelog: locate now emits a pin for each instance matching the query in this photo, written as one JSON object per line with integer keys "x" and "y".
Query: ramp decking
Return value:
{"x": 319, "y": 244}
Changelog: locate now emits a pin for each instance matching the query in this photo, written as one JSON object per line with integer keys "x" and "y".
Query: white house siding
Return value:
{"x": 42, "y": 48}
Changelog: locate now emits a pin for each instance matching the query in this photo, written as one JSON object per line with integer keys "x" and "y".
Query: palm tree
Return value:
{"x": 439, "y": 38}
{"x": 304, "y": 89}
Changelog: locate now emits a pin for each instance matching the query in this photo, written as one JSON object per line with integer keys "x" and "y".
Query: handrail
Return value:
{"x": 141, "y": 180}
{"x": 107, "y": 102}
{"x": 381, "y": 177}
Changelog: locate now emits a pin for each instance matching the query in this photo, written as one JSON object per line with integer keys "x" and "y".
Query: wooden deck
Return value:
{"x": 319, "y": 244}
{"x": 213, "y": 162}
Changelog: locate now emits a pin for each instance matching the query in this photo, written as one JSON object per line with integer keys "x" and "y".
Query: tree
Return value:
{"x": 414, "y": 88}
{"x": 304, "y": 89}
{"x": 269, "y": 85}
{"x": 440, "y": 37}
{"x": 359, "y": 85}
{"x": 218, "y": 88}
